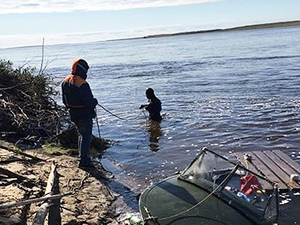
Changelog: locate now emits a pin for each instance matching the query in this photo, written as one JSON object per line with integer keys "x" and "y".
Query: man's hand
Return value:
{"x": 142, "y": 106}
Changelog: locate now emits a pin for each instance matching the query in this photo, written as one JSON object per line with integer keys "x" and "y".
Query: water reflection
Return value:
{"x": 154, "y": 130}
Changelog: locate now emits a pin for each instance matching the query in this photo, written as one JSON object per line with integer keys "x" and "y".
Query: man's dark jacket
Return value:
{"x": 78, "y": 97}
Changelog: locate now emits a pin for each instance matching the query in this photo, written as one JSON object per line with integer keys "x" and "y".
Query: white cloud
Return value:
{"x": 47, "y": 6}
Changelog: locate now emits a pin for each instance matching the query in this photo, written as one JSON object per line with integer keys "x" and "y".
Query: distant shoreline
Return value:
{"x": 239, "y": 28}
{"x": 246, "y": 27}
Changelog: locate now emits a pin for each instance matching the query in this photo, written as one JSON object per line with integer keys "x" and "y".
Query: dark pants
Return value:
{"x": 84, "y": 139}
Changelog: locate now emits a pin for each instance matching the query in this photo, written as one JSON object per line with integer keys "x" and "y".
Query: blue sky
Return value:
{"x": 64, "y": 21}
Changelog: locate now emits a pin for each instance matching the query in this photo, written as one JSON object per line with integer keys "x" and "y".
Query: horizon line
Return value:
{"x": 237, "y": 28}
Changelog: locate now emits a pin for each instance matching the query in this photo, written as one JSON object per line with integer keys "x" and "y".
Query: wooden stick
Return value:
{"x": 30, "y": 201}
{"x": 44, "y": 208}
{"x": 11, "y": 160}
{"x": 12, "y": 174}
{"x": 41, "y": 69}
{"x": 54, "y": 215}
{"x": 21, "y": 153}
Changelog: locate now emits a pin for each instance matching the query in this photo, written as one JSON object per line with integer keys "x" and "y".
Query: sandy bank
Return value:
{"x": 90, "y": 202}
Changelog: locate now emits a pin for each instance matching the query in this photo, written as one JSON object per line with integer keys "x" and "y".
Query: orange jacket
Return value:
{"x": 78, "y": 97}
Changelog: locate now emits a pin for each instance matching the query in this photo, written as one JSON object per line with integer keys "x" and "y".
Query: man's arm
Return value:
{"x": 87, "y": 97}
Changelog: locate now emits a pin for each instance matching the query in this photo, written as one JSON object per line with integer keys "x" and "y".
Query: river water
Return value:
{"x": 228, "y": 91}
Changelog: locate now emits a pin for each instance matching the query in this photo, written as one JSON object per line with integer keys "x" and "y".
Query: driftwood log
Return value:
{"x": 44, "y": 208}
{"x": 30, "y": 201}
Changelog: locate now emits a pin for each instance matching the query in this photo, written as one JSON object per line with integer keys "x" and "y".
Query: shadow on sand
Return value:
{"x": 126, "y": 197}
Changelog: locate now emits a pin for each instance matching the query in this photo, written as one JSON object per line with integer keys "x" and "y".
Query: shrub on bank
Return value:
{"x": 26, "y": 103}
{"x": 27, "y": 107}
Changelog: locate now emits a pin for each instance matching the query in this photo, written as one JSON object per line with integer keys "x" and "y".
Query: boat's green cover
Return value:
{"x": 172, "y": 201}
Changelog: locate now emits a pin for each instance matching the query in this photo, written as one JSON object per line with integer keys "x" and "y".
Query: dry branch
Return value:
{"x": 44, "y": 208}
{"x": 27, "y": 102}
{"x": 30, "y": 201}
{"x": 12, "y": 174}
{"x": 21, "y": 153}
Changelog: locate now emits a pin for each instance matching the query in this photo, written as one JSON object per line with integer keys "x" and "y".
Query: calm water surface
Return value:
{"x": 234, "y": 91}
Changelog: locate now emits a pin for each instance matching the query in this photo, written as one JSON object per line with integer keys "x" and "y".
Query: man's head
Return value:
{"x": 150, "y": 93}
{"x": 80, "y": 68}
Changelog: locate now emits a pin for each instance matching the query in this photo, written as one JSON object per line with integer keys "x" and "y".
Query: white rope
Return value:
{"x": 199, "y": 203}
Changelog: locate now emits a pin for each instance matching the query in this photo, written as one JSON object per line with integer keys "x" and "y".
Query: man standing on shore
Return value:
{"x": 78, "y": 98}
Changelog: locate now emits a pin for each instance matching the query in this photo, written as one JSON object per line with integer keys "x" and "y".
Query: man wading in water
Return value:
{"x": 154, "y": 106}
{"x": 78, "y": 98}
